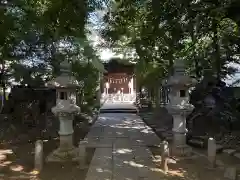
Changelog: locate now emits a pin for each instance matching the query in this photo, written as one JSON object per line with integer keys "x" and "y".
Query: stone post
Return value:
{"x": 82, "y": 154}
{"x": 164, "y": 156}
{"x": 212, "y": 151}
{"x": 38, "y": 157}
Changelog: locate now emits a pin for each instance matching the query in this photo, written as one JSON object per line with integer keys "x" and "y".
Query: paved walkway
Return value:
{"x": 121, "y": 153}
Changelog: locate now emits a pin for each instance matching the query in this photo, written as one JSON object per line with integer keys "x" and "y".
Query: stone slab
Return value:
{"x": 144, "y": 162}
{"x": 229, "y": 151}
{"x": 230, "y": 173}
{"x": 237, "y": 155}
{"x": 101, "y": 165}
{"x": 123, "y": 167}
{"x": 103, "y": 157}
{"x": 118, "y": 106}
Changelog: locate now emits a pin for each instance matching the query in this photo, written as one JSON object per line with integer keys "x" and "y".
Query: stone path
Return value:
{"x": 121, "y": 153}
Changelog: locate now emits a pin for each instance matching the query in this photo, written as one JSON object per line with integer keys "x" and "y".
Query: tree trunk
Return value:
{"x": 3, "y": 83}
{"x": 171, "y": 69}
{"x": 218, "y": 63}
{"x": 156, "y": 95}
{"x": 194, "y": 33}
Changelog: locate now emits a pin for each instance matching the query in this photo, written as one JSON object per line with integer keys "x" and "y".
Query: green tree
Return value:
{"x": 161, "y": 32}
{"x": 37, "y": 35}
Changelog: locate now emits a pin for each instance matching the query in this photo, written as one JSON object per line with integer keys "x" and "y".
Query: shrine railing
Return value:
{"x": 113, "y": 98}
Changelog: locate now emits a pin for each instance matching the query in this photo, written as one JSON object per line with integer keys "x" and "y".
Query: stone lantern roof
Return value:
{"x": 65, "y": 79}
{"x": 180, "y": 81}
{"x": 179, "y": 77}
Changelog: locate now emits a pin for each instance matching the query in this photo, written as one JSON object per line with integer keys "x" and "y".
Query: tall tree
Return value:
{"x": 190, "y": 30}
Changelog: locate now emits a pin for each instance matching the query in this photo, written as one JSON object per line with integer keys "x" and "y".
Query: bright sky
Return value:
{"x": 106, "y": 54}
{"x": 96, "y": 24}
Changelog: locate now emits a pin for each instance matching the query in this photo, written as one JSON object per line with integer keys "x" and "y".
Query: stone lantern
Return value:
{"x": 179, "y": 107}
{"x": 65, "y": 110}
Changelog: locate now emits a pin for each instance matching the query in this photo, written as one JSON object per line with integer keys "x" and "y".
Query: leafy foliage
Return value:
{"x": 160, "y": 32}
{"x": 37, "y": 35}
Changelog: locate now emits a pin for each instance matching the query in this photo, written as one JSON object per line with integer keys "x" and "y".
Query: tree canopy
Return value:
{"x": 37, "y": 35}
{"x": 204, "y": 33}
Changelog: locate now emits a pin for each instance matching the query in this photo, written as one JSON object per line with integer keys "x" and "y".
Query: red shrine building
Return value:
{"x": 119, "y": 78}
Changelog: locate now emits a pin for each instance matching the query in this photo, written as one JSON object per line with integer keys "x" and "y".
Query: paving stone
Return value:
{"x": 152, "y": 141}
{"x": 161, "y": 129}
{"x": 237, "y": 155}
{"x": 142, "y": 152}
{"x": 125, "y": 174}
{"x": 219, "y": 163}
{"x": 138, "y": 142}
{"x": 219, "y": 147}
{"x": 230, "y": 173}
{"x": 144, "y": 160}
{"x": 123, "y": 166}
{"x": 122, "y": 143}
{"x": 91, "y": 141}
{"x": 102, "y": 156}
{"x": 101, "y": 165}
{"x": 229, "y": 151}
{"x": 106, "y": 142}
{"x": 122, "y": 157}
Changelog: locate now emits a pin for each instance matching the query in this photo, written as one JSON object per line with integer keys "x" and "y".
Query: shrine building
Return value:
{"x": 119, "y": 78}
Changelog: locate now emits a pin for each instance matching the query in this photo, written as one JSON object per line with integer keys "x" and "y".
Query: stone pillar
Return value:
{"x": 66, "y": 131}
{"x": 179, "y": 147}
{"x": 131, "y": 85}
{"x": 179, "y": 129}
{"x": 107, "y": 87}
{"x": 129, "y": 88}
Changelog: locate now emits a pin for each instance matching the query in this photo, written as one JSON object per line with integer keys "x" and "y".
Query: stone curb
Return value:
{"x": 232, "y": 152}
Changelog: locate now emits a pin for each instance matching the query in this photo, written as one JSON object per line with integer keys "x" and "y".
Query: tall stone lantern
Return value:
{"x": 179, "y": 107}
{"x": 65, "y": 110}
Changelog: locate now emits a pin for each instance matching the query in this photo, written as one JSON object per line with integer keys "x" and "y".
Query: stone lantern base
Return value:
{"x": 59, "y": 155}
{"x": 65, "y": 152}
{"x": 179, "y": 146}
{"x": 181, "y": 150}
